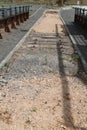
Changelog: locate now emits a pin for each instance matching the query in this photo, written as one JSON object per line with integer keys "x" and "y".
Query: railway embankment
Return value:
{"x": 39, "y": 86}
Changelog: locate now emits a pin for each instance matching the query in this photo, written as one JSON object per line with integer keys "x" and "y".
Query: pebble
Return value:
{"x": 78, "y": 112}
{"x": 62, "y": 126}
{"x": 3, "y": 81}
{"x": 46, "y": 102}
{"x": 2, "y": 95}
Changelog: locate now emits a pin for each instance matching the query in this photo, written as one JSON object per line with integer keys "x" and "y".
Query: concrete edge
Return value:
{"x": 20, "y": 43}
{"x": 35, "y": 12}
{"x": 75, "y": 45}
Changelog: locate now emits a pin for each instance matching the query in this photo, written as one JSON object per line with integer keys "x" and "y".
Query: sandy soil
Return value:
{"x": 35, "y": 91}
{"x": 48, "y": 23}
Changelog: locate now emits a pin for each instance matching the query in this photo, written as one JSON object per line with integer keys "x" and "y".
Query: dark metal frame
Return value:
{"x": 13, "y": 15}
{"x": 81, "y": 16}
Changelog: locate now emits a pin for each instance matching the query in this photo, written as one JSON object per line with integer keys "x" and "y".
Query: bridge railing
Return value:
{"x": 13, "y": 15}
{"x": 81, "y": 16}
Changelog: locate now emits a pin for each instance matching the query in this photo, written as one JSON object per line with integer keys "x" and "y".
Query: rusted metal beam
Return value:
{"x": 13, "y": 16}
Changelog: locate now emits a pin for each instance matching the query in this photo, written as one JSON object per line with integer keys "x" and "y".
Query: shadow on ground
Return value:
{"x": 81, "y": 73}
{"x": 79, "y": 34}
{"x": 67, "y": 113}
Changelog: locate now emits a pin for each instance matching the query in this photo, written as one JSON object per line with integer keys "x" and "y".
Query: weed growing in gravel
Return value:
{"x": 75, "y": 57}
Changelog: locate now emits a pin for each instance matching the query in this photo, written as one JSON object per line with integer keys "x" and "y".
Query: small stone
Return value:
{"x": 62, "y": 126}
{"x": 2, "y": 95}
{"x": 78, "y": 112}
{"x": 3, "y": 81}
{"x": 46, "y": 102}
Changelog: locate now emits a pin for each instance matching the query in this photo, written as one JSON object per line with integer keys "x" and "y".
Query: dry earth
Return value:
{"x": 37, "y": 88}
{"x": 48, "y": 22}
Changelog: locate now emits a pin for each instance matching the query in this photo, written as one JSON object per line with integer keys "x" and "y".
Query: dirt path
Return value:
{"x": 37, "y": 88}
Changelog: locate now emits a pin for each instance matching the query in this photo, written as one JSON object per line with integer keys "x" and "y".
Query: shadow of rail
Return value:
{"x": 68, "y": 118}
